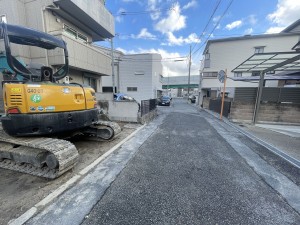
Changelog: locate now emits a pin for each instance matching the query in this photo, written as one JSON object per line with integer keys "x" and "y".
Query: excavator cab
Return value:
{"x": 37, "y": 104}
{"x": 25, "y": 36}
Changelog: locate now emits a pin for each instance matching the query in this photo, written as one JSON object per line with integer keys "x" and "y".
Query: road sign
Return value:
{"x": 221, "y": 76}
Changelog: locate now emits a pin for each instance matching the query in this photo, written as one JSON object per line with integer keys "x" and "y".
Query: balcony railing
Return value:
{"x": 81, "y": 56}
{"x": 90, "y": 16}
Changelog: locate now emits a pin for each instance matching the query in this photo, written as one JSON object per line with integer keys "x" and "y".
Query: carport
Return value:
{"x": 268, "y": 62}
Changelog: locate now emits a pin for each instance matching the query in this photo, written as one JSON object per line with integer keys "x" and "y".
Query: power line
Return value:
{"x": 217, "y": 24}
{"x": 208, "y": 22}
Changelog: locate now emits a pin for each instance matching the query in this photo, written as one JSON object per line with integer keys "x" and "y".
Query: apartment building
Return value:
{"x": 138, "y": 75}
{"x": 228, "y": 53}
{"x": 79, "y": 23}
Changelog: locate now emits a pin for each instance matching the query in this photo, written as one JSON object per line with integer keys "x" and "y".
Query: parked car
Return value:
{"x": 122, "y": 97}
{"x": 164, "y": 100}
{"x": 192, "y": 98}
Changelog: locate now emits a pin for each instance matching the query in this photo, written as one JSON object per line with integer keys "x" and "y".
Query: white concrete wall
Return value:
{"x": 156, "y": 75}
{"x": 126, "y": 111}
{"x": 138, "y": 71}
{"x": 123, "y": 111}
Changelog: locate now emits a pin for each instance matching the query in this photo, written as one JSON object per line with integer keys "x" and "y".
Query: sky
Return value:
{"x": 171, "y": 28}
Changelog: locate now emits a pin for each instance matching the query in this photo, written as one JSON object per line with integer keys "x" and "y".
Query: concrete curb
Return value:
{"x": 48, "y": 199}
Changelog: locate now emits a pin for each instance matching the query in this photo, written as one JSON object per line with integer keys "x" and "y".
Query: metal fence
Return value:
{"x": 215, "y": 105}
{"x": 269, "y": 94}
{"x": 148, "y": 106}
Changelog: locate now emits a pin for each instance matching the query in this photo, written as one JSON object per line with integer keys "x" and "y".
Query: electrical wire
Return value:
{"x": 208, "y": 22}
{"x": 216, "y": 25}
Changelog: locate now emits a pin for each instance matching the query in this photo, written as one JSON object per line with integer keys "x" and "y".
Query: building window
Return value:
{"x": 210, "y": 74}
{"x": 238, "y": 74}
{"x": 3, "y": 19}
{"x": 206, "y": 60}
{"x": 259, "y": 49}
{"x": 75, "y": 34}
{"x": 131, "y": 88}
{"x": 92, "y": 82}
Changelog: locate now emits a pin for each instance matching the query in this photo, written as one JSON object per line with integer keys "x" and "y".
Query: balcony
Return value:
{"x": 81, "y": 56}
{"x": 90, "y": 16}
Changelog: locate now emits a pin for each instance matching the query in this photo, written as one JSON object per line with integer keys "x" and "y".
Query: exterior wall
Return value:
{"x": 268, "y": 112}
{"x": 107, "y": 80}
{"x": 125, "y": 111}
{"x": 15, "y": 13}
{"x": 96, "y": 10}
{"x": 156, "y": 75}
{"x": 228, "y": 54}
{"x": 140, "y": 72}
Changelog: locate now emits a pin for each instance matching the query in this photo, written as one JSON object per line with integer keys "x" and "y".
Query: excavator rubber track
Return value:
{"x": 102, "y": 131}
{"x": 65, "y": 154}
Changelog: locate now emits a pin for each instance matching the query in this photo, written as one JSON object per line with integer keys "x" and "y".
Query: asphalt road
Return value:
{"x": 193, "y": 170}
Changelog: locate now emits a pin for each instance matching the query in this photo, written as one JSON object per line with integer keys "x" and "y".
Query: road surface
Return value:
{"x": 190, "y": 169}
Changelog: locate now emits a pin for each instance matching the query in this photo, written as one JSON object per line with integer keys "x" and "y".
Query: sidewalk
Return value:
{"x": 285, "y": 138}
{"x": 281, "y": 138}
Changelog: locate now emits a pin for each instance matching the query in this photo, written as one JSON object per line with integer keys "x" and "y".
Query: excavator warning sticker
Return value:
{"x": 16, "y": 90}
{"x": 36, "y": 98}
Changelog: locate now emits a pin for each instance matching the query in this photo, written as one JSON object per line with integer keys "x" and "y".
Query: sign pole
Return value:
{"x": 223, "y": 96}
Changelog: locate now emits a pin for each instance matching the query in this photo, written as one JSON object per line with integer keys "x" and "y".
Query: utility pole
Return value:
{"x": 189, "y": 77}
{"x": 112, "y": 64}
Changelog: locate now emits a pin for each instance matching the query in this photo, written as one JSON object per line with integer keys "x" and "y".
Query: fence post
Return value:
{"x": 258, "y": 96}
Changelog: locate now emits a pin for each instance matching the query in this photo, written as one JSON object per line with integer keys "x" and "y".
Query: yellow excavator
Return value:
{"x": 39, "y": 110}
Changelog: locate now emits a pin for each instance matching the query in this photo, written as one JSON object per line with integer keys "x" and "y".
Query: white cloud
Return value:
{"x": 173, "y": 22}
{"x": 144, "y": 34}
{"x": 216, "y": 19}
{"x": 152, "y": 6}
{"x": 287, "y": 12}
{"x": 274, "y": 30}
{"x": 119, "y": 18}
{"x": 234, "y": 24}
{"x": 248, "y": 31}
{"x": 172, "y": 40}
{"x": 191, "y": 4}
{"x": 252, "y": 19}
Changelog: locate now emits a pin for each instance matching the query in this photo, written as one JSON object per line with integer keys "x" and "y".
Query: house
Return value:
{"x": 78, "y": 23}
{"x": 226, "y": 54}
{"x": 137, "y": 75}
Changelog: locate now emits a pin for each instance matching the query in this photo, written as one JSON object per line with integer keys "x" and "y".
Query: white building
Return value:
{"x": 78, "y": 23}
{"x": 227, "y": 54}
{"x": 138, "y": 75}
